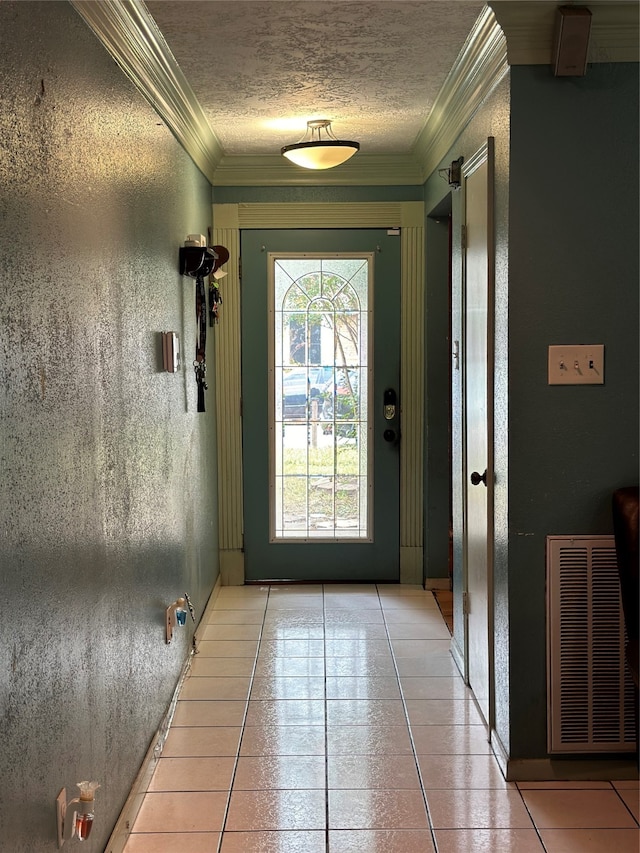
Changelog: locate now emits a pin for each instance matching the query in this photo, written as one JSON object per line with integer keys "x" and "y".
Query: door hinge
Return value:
{"x": 240, "y": 270}
{"x": 463, "y": 236}
{"x": 465, "y": 603}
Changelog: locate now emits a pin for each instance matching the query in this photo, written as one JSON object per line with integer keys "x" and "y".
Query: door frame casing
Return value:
{"x": 228, "y": 221}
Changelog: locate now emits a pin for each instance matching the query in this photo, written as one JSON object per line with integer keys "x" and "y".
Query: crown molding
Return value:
{"x": 361, "y": 170}
{"x": 506, "y": 33}
{"x": 481, "y": 64}
{"x": 131, "y": 36}
{"x": 530, "y": 30}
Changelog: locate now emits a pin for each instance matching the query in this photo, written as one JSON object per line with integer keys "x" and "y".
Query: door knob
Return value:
{"x": 476, "y": 478}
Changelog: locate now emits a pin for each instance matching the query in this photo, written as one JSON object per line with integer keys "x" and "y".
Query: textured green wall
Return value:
{"x": 573, "y": 279}
{"x": 108, "y": 473}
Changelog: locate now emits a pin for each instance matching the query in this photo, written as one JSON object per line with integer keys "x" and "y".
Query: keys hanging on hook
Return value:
{"x": 215, "y": 302}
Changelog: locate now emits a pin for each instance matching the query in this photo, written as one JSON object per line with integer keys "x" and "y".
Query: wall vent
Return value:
{"x": 589, "y": 690}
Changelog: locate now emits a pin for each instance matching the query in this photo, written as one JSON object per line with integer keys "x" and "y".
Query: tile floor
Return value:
{"x": 332, "y": 718}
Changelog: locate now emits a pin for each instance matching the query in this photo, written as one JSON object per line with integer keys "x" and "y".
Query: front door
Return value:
{"x": 321, "y": 430}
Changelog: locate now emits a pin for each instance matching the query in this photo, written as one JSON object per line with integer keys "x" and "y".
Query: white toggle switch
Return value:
{"x": 576, "y": 365}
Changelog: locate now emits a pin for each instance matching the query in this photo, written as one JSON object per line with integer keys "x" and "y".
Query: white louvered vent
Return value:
{"x": 590, "y": 691}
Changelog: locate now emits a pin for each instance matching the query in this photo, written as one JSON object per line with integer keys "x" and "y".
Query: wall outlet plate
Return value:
{"x": 576, "y": 365}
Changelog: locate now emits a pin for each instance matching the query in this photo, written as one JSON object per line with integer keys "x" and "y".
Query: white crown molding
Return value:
{"x": 530, "y": 29}
{"x": 481, "y": 64}
{"x": 506, "y": 33}
{"x": 131, "y": 36}
{"x": 361, "y": 170}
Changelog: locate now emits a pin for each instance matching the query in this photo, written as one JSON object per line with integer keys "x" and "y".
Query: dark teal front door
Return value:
{"x": 321, "y": 404}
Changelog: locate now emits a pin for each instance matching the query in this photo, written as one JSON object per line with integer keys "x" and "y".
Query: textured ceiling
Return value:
{"x": 260, "y": 70}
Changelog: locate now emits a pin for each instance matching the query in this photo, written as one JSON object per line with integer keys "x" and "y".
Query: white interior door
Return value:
{"x": 478, "y": 375}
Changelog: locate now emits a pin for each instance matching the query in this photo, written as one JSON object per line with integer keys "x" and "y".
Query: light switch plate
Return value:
{"x": 576, "y": 365}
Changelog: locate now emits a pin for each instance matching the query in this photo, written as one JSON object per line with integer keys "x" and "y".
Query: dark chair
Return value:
{"x": 625, "y": 528}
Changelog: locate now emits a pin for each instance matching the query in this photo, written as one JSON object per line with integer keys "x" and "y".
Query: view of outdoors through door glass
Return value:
{"x": 319, "y": 466}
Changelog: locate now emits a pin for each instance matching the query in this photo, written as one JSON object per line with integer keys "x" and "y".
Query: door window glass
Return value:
{"x": 319, "y": 397}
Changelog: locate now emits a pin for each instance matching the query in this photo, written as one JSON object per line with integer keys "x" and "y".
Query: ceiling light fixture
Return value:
{"x": 319, "y": 148}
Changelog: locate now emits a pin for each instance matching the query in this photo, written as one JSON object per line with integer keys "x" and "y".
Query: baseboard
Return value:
{"x": 571, "y": 770}
{"x": 501, "y": 754}
{"x": 458, "y": 656}
{"x": 129, "y": 813}
{"x": 215, "y": 592}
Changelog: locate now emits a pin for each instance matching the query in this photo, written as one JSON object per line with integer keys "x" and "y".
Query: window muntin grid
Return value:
{"x": 320, "y": 370}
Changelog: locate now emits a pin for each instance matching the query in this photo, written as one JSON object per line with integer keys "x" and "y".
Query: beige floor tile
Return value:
{"x": 433, "y": 687}
{"x": 234, "y": 617}
{"x": 372, "y": 771}
{"x": 293, "y": 618}
{"x": 427, "y": 666}
{"x": 577, "y": 809}
{"x": 283, "y": 740}
{"x": 632, "y": 800}
{"x": 560, "y": 785}
{"x": 461, "y": 772}
{"x": 289, "y": 772}
{"x": 350, "y": 589}
{"x": 209, "y": 713}
{"x": 365, "y": 712}
{"x": 285, "y": 630}
{"x": 591, "y": 840}
{"x": 369, "y": 601}
{"x": 291, "y": 649}
{"x": 345, "y": 631}
{"x": 380, "y": 841}
{"x": 415, "y": 616}
{"x": 230, "y": 632}
{"x": 488, "y": 841}
{"x": 285, "y": 712}
{"x": 428, "y": 648}
{"x": 440, "y": 712}
{"x": 184, "y": 741}
{"x": 290, "y": 841}
{"x": 231, "y": 687}
{"x": 477, "y": 809}
{"x": 300, "y": 603}
{"x": 287, "y": 687}
{"x": 368, "y": 740}
{"x": 411, "y": 597}
{"x": 228, "y": 648}
{"x": 423, "y": 648}
{"x": 354, "y": 648}
{"x": 161, "y": 842}
{"x": 362, "y": 687}
{"x": 182, "y": 812}
{"x": 282, "y": 667}
{"x": 377, "y": 809}
{"x": 295, "y": 589}
{"x": 450, "y": 740}
{"x": 193, "y": 774}
{"x": 239, "y": 602}
{"x": 367, "y": 616}
{"x": 273, "y": 810}
{"x": 360, "y": 666}
{"x": 214, "y": 667}
{"x": 626, "y": 785}
{"x": 417, "y": 631}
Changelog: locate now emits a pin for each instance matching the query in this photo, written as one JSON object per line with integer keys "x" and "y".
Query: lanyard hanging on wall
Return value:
{"x": 198, "y": 261}
{"x": 200, "y": 363}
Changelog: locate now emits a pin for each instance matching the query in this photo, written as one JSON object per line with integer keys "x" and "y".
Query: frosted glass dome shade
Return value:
{"x": 320, "y": 149}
